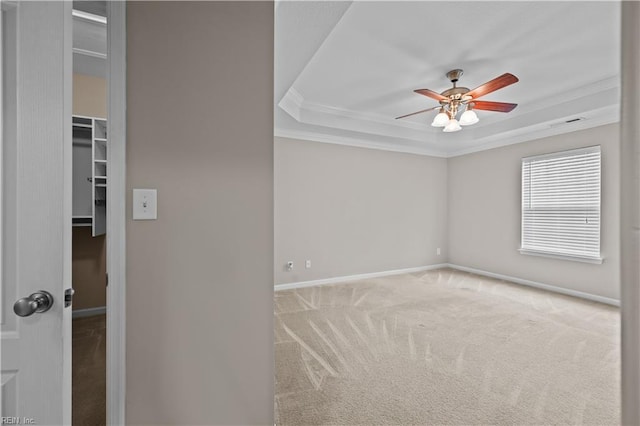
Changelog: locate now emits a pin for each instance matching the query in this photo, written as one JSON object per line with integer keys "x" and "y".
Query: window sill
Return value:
{"x": 585, "y": 259}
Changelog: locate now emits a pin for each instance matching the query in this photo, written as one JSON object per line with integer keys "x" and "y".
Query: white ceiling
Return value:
{"x": 344, "y": 70}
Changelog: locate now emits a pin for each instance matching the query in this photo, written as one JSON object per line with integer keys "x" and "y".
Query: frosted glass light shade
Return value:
{"x": 440, "y": 120}
{"x": 452, "y": 126}
{"x": 468, "y": 118}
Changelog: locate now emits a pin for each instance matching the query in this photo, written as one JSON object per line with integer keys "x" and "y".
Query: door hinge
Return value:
{"x": 68, "y": 297}
{"x": 107, "y": 280}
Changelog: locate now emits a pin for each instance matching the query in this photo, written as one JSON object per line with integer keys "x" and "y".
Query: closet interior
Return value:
{"x": 89, "y": 212}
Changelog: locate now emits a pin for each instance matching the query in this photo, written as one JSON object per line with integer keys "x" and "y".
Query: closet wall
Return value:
{"x": 89, "y": 253}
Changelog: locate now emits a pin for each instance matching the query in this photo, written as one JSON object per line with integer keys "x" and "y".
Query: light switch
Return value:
{"x": 145, "y": 204}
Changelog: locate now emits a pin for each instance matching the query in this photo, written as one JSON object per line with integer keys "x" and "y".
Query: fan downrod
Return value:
{"x": 455, "y": 92}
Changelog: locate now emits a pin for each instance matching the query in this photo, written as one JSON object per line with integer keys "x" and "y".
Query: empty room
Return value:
{"x": 447, "y": 204}
{"x": 303, "y": 212}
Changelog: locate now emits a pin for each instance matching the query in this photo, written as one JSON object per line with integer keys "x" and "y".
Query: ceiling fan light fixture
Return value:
{"x": 456, "y": 98}
{"x": 468, "y": 118}
{"x": 452, "y": 126}
{"x": 441, "y": 119}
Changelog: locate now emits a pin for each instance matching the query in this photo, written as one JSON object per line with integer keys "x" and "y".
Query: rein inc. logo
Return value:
{"x": 17, "y": 421}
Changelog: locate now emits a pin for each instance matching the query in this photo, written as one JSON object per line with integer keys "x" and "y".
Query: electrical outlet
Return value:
{"x": 307, "y": 264}
{"x": 289, "y": 265}
{"x": 438, "y": 251}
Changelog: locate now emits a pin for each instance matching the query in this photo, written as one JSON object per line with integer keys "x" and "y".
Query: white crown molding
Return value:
{"x": 304, "y": 111}
{"x": 354, "y": 142}
{"x": 291, "y": 103}
{"x": 343, "y": 119}
{"x": 608, "y": 115}
{"x": 90, "y": 17}
{"x": 91, "y": 53}
{"x": 534, "y": 120}
{"x": 361, "y": 116}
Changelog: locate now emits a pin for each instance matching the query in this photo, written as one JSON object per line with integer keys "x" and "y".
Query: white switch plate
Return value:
{"x": 145, "y": 204}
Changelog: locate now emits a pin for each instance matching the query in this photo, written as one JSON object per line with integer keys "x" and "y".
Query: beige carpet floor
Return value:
{"x": 89, "y": 371}
{"x": 444, "y": 347}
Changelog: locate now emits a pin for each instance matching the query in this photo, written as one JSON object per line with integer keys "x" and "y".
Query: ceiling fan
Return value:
{"x": 451, "y": 100}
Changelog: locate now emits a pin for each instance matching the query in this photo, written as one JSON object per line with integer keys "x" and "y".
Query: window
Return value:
{"x": 561, "y": 205}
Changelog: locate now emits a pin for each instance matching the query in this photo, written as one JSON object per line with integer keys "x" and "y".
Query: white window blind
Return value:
{"x": 561, "y": 204}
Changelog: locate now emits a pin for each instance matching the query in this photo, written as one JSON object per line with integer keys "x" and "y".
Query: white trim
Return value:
{"x": 294, "y": 103}
{"x": 2, "y": 77}
{"x": 595, "y": 118}
{"x": 291, "y": 103}
{"x": 89, "y": 312}
{"x": 116, "y": 213}
{"x": 541, "y": 130}
{"x": 358, "y": 143}
{"x": 564, "y": 153}
{"x": 67, "y": 197}
{"x": 91, "y": 53}
{"x": 552, "y": 288}
{"x": 515, "y": 280}
{"x": 539, "y": 119}
{"x": 363, "y": 117}
{"x": 89, "y": 16}
{"x": 349, "y": 278}
{"x": 584, "y": 259}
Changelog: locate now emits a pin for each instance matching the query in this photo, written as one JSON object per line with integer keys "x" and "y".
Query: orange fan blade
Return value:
{"x": 491, "y": 86}
{"x": 431, "y": 94}
{"x": 493, "y": 106}
{"x": 419, "y": 112}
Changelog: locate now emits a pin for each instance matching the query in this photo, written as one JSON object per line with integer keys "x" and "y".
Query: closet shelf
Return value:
{"x": 90, "y": 151}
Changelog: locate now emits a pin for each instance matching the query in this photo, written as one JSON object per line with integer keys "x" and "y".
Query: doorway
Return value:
{"x": 89, "y": 212}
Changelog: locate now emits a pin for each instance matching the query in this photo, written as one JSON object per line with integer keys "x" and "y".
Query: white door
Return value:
{"x": 36, "y": 210}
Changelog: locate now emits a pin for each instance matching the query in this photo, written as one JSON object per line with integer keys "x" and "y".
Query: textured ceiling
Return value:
{"x": 345, "y": 70}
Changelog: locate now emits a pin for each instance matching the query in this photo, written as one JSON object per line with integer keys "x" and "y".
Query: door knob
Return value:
{"x": 40, "y": 301}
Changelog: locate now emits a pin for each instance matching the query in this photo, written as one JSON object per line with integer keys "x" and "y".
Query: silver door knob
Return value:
{"x": 40, "y": 301}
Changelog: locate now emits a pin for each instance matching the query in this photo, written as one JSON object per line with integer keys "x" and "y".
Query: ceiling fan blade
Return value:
{"x": 493, "y": 106}
{"x": 504, "y": 80}
{"x": 431, "y": 94}
{"x": 418, "y": 112}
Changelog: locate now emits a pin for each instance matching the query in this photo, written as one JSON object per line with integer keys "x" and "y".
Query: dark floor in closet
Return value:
{"x": 89, "y": 371}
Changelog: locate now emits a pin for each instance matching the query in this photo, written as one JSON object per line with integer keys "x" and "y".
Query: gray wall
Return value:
{"x": 484, "y": 214}
{"x": 200, "y": 278}
{"x": 353, "y": 210}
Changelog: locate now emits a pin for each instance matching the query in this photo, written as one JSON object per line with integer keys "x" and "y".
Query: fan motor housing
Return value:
{"x": 455, "y": 92}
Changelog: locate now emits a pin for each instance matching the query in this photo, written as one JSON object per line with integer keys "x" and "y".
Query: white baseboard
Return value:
{"x": 348, "y": 278}
{"x": 555, "y": 289}
{"x": 89, "y": 312}
{"x": 516, "y": 280}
